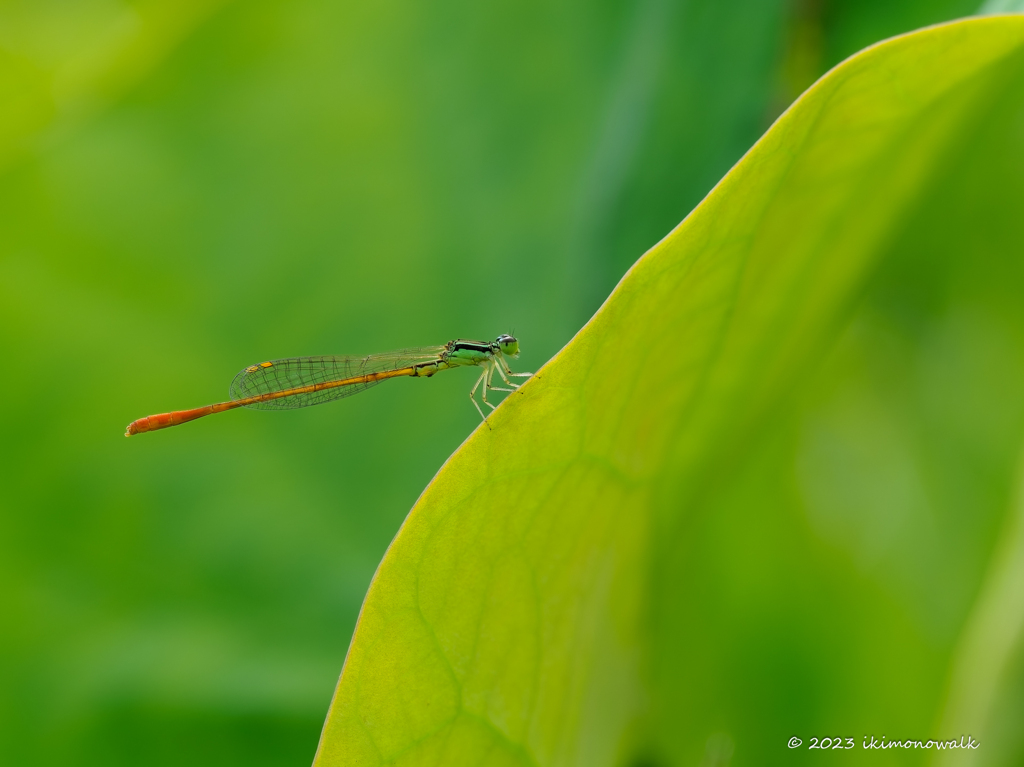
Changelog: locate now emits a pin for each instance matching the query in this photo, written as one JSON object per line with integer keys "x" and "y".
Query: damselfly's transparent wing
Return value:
{"x": 300, "y": 373}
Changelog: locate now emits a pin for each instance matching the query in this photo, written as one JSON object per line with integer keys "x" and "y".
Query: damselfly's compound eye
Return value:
{"x": 508, "y": 344}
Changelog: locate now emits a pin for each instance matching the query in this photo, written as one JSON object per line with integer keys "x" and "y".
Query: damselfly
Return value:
{"x": 303, "y": 381}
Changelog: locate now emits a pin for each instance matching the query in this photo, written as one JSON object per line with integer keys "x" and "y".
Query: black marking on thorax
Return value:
{"x": 475, "y": 346}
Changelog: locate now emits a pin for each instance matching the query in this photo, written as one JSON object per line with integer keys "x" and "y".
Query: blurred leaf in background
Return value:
{"x": 189, "y": 187}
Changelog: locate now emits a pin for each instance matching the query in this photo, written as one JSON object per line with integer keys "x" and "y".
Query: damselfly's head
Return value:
{"x": 509, "y": 345}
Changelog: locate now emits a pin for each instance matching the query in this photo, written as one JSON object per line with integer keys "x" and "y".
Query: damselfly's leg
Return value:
{"x": 504, "y": 368}
{"x": 489, "y": 370}
{"x": 511, "y": 374}
{"x": 494, "y": 366}
{"x": 472, "y": 397}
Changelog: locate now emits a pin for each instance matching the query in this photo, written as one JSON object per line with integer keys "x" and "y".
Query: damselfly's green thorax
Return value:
{"x": 301, "y": 381}
{"x": 464, "y": 352}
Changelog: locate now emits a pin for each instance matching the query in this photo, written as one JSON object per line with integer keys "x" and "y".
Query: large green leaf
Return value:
{"x": 629, "y": 563}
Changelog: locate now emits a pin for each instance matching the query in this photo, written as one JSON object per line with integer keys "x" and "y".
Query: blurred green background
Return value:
{"x": 190, "y": 187}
